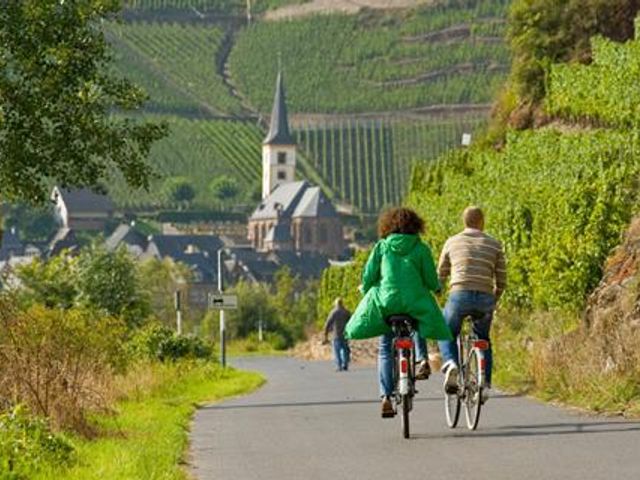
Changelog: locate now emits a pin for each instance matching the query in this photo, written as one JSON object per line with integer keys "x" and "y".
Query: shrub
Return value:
{"x": 156, "y": 342}
{"x": 58, "y": 363}
{"x": 27, "y": 444}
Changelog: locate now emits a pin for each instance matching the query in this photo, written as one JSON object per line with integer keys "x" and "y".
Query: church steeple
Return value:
{"x": 279, "y": 128}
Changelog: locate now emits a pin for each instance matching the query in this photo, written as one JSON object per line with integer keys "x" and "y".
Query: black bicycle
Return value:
{"x": 404, "y": 369}
{"x": 470, "y": 382}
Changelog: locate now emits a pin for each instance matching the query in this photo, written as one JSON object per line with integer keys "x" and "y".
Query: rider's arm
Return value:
{"x": 501, "y": 274}
{"x": 429, "y": 276}
{"x": 444, "y": 264}
{"x": 371, "y": 273}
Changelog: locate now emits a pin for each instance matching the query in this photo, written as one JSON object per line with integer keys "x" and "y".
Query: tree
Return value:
{"x": 58, "y": 98}
{"x": 33, "y": 224}
{"x": 179, "y": 190}
{"x": 224, "y": 188}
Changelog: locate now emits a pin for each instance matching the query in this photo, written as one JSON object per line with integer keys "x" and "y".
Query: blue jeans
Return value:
{"x": 385, "y": 360}
{"x": 480, "y": 307}
{"x": 341, "y": 353}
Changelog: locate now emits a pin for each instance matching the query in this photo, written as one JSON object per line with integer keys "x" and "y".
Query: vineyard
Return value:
{"x": 176, "y": 63}
{"x": 200, "y": 150}
{"x": 227, "y": 7}
{"x": 605, "y": 91}
{"x": 376, "y": 61}
{"x": 368, "y": 163}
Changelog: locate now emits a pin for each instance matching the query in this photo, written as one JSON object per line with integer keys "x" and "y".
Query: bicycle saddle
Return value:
{"x": 401, "y": 319}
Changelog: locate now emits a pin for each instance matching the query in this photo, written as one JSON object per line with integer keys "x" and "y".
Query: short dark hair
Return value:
{"x": 399, "y": 220}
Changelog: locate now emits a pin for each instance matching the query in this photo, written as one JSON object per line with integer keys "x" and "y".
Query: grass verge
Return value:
{"x": 148, "y": 435}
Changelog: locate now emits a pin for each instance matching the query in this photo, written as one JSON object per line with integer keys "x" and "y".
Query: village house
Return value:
{"x": 82, "y": 209}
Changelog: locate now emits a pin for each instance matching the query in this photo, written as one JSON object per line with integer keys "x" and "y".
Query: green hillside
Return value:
{"x": 201, "y": 65}
{"x": 200, "y": 150}
{"x": 376, "y": 61}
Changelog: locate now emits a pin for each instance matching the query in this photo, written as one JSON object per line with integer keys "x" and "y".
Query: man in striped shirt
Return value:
{"x": 475, "y": 262}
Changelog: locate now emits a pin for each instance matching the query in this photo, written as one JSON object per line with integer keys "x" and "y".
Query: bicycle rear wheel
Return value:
{"x": 473, "y": 397}
{"x": 406, "y": 408}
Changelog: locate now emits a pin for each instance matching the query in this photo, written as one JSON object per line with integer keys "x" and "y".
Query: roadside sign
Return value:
{"x": 223, "y": 302}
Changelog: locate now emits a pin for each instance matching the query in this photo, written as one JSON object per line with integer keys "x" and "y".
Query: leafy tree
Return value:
{"x": 108, "y": 281}
{"x": 253, "y": 303}
{"x": 224, "y": 188}
{"x": 57, "y": 98}
{"x": 179, "y": 190}
{"x": 160, "y": 279}
{"x": 51, "y": 283}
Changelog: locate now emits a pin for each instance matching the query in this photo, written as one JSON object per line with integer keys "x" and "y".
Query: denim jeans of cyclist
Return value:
{"x": 341, "y": 353}
{"x": 385, "y": 360}
{"x": 480, "y": 307}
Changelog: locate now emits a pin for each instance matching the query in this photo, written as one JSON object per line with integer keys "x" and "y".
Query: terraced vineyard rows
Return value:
{"x": 179, "y": 61}
{"x": 228, "y": 7}
{"x": 201, "y": 150}
{"x": 373, "y": 62}
{"x": 368, "y": 163}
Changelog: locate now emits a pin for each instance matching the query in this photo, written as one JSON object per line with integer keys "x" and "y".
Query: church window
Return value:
{"x": 282, "y": 158}
{"x": 282, "y": 175}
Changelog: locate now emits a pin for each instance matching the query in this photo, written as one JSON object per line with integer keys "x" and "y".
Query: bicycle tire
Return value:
{"x": 406, "y": 408}
{"x": 452, "y": 409}
{"x": 473, "y": 390}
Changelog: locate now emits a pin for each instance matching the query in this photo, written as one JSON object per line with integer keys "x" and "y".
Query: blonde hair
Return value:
{"x": 473, "y": 217}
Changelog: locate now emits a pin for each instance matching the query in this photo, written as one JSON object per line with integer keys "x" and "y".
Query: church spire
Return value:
{"x": 279, "y": 129}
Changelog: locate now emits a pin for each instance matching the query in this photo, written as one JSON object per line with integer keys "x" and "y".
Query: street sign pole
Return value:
{"x": 178, "y": 304}
{"x": 223, "y": 346}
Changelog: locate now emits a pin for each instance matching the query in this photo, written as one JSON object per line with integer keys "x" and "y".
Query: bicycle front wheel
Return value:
{"x": 406, "y": 408}
{"x": 452, "y": 409}
{"x": 473, "y": 394}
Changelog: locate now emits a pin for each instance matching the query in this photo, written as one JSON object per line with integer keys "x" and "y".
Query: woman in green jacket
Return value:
{"x": 399, "y": 278}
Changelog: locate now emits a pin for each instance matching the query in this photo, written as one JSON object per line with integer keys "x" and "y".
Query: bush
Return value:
{"x": 58, "y": 363}
{"x": 27, "y": 444}
{"x": 156, "y": 342}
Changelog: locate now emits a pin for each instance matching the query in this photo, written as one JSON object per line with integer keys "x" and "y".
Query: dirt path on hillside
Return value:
{"x": 344, "y": 6}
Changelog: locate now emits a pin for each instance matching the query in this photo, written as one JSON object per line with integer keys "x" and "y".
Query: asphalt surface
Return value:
{"x": 310, "y": 422}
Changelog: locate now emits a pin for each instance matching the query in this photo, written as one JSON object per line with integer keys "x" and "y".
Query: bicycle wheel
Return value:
{"x": 406, "y": 408}
{"x": 452, "y": 409}
{"x": 472, "y": 400}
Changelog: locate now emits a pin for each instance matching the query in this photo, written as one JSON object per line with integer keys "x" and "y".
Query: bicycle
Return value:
{"x": 471, "y": 380}
{"x": 404, "y": 363}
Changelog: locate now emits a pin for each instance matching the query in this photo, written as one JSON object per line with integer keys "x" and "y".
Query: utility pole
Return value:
{"x": 248, "y": 12}
{"x": 260, "y": 325}
{"x": 223, "y": 346}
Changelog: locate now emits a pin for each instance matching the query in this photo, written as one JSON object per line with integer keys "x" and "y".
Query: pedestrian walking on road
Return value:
{"x": 336, "y": 321}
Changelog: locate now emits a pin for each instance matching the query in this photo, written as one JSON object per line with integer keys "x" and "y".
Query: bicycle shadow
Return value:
{"x": 536, "y": 430}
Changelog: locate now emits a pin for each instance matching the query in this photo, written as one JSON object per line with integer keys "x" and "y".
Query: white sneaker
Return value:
{"x": 450, "y": 370}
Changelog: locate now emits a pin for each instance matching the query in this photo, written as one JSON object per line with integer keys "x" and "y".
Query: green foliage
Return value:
{"x": 108, "y": 282}
{"x": 159, "y": 280}
{"x": 368, "y": 163}
{"x": 102, "y": 281}
{"x": 157, "y": 342}
{"x": 178, "y": 190}
{"x": 199, "y": 150}
{"x": 605, "y": 91}
{"x": 224, "y": 188}
{"x": 557, "y": 201}
{"x": 56, "y": 95}
{"x": 375, "y": 61}
{"x": 286, "y": 310}
{"x": 28, "y": 445}
{"x": 542, "y": 32}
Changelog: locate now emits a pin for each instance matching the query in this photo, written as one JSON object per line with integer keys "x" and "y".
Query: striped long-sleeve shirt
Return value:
{"x": 475, "y": 261}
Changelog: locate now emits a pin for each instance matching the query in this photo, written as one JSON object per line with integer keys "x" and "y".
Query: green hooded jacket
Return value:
{"x": 399, "y": 278}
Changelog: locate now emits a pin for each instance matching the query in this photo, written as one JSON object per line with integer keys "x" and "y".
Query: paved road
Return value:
{"x": 309, "y": 422}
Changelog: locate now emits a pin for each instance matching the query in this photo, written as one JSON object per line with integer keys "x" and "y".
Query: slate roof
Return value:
{"x": 262, "y": 267}
{"x": 128, "y": 235}
{"x": 279, "y": 126}
{"x": 295, "y": 200}
{"x": 84, "y": 200}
